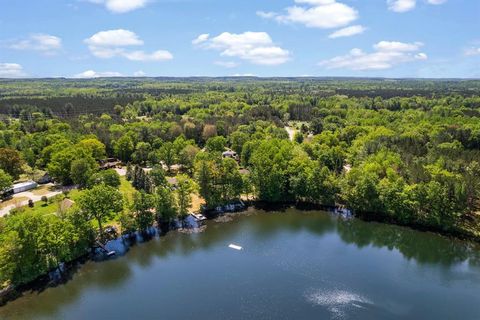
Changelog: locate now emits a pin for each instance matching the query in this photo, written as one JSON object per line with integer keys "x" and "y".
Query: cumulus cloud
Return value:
{"x": 324, "y": 14}
{"x": 347, "y": 32}
{"x": 472, "y": 51}
{"x": 44, "y": 43}
{"x": 407, "y": 5}
{"x": 254, "y": 47}
{"x": 11, "y": 70}
{"x": 386, "y": 54}
{"x": 113, "y": 43}
{"x": 112, "y": 38}
{"x": 94, "y": 74}
{"x": 121, "y": 6}
{"x": 201, "y": 38}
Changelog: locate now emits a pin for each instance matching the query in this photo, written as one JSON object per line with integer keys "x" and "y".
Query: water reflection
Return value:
{"x": 256, "y": 226}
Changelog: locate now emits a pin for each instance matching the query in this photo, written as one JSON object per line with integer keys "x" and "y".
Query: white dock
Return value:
{"x": 198, "y": 216}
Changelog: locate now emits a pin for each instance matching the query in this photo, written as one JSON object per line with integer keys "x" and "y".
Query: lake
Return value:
{"x": 294, "y": 265}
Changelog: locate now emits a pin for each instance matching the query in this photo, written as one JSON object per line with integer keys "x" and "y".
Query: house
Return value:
{"x": 24, "y": 186}
{"x": 109, "y": 163}
{"x": 230, "y": 154}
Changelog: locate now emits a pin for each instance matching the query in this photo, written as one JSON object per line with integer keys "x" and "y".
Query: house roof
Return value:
{"x": 24, "y": 184}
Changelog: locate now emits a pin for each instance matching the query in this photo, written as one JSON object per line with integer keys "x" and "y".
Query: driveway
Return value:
{"x": 34, "y": 195}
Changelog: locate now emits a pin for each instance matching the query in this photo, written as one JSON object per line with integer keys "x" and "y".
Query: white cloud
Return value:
{"x": 386, "y": 55}
{"x": 159, "y": 55}
{"x": 121, "y": 6}
{"x": 94, "y": 74}
{"x": 227, "y": 64}
{"x": 407, "y": 5}
{"x": 11, "y": 70}
{"x": 114, "y": 38}
{"x": 139, "y": 73}
{"x": 254, "y": 47}
{"x": 324, "y": 14}
{"x": 266, "y": 15}
{"x": 472, "y": 51}
{"x": 44, "y": 43}
{"x": 113, "y": 43}
{"x": 201, "y": 38}
{"x": 436, "y": 1}
{"x": 401, "y": 5}
{"x": 347, "y": 32}
{"x": 243, "y": 75}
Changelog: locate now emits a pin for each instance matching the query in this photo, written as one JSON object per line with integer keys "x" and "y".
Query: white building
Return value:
{"x": 24, "y": 186}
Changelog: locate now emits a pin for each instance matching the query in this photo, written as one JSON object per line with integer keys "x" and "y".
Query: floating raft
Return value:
{"x": 234, "y": 246}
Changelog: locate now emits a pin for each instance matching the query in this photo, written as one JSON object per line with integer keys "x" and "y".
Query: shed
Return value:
{"x": 45, "y": 178}
{"x": 65, "y": 204}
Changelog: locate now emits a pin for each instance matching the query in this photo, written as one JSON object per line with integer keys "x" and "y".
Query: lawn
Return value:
{"x": 126, "y": 189}
{"x": 41, "y": 208}
{"x": 42, "y": 190}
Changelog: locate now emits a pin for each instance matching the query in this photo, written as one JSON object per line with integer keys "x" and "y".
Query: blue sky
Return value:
{"x": 388, "y": 38}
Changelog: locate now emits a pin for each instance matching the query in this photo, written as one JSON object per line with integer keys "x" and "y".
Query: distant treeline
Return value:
{"x": 71, "y": 97}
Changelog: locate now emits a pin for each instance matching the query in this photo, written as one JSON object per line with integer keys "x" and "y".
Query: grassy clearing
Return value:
{"x": 42, "y": 190}
{"x": 127, "y": 189}
{"x": 197, "y": 201}
{"x": 41, "y": 208}
{"x": 52, "y": 206}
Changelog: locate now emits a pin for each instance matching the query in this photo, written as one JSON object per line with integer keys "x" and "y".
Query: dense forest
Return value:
{"x": 400, "y": 151}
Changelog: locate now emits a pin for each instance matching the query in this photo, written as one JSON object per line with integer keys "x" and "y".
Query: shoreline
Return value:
{"x": 11, "y": 293}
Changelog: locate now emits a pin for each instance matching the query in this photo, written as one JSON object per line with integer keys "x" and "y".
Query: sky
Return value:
{"x": 360, "y": 38}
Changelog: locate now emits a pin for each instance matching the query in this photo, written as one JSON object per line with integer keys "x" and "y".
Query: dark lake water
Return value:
{"x": 294, "y": 265}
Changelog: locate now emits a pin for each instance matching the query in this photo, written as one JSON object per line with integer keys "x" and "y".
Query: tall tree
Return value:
{"x": 165, "y": 205}
{"x": 184, "y": 194}
{"x": 143, "y": 204}
{"x": 6, "y": 181}
{"x": 101, "y": 203}
{"x": 81, "y": 171}
{"x": 124, "y": 148}
{"x": 11, "y": 162}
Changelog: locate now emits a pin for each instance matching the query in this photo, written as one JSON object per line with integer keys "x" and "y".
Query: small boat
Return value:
{"x": 234, "y": 246}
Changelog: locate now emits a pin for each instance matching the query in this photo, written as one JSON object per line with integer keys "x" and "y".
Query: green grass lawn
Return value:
{"x": 127, "y": 189}
{"x": 40, "y": 207}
